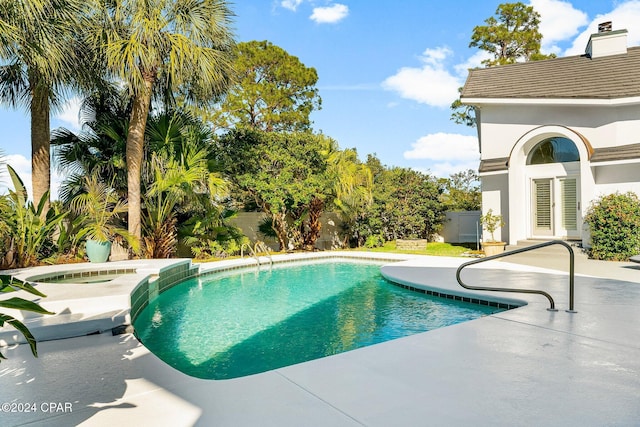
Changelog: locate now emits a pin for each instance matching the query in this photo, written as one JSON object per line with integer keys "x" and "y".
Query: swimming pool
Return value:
{"x": 243, "y": 322}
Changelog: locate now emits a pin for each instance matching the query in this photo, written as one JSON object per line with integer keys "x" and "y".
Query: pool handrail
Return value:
{"x": 526, "y": 291}
{"x": 251, "y": 251}
{"x": 262, "y": 247}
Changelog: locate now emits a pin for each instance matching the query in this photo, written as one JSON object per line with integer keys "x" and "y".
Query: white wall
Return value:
{"x": 603, "y": 126}
{"x": 495, "y": 196}
{"x": 461, "y": 227}
{"x": 616, "y": 178}
{"x": 512, "y": 130}
{"x": 248, "y": 222}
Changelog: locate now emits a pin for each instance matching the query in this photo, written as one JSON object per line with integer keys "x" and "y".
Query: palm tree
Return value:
{"x": 178, "y": 180}
{"x": 164, "y": 46}
{"x": 99, "y": 148}
{"x": 36, "y": 38}
{"x": 350, "y": 192}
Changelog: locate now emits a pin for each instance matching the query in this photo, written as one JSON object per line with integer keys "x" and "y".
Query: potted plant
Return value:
{"x": 102, "y": 209}
{"x": 491, "y": 223}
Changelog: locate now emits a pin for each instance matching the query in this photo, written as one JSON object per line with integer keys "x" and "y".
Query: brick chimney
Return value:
{"x": 606, "y": 42}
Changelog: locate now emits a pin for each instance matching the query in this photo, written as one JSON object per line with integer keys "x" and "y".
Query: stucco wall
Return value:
{"x": 248, "y": 222}
{"x": 461, "y": 227}
{"x": 495, "y": 196}
{"x": 617, "y": 178}
{"x": 510, "y": 131}
{"x": 503, "y": 126}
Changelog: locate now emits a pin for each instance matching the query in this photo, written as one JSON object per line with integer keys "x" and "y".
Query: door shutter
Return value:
{"x": 569, "y": 195}
{"x": 543, "y": 204}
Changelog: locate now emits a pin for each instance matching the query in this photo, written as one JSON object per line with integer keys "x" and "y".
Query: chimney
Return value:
{"x": 606, "y": 42}
{"x": 604, "y": 27}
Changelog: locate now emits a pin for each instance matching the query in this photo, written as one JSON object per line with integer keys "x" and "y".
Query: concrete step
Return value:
{"x": 69, "y": 325}
{"x": 549, "y": 250}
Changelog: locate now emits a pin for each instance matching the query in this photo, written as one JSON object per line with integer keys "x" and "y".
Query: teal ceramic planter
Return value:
{"x": 98, "y": 251}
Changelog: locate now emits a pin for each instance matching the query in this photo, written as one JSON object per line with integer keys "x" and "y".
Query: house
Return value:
{"x": 556, "y": 134}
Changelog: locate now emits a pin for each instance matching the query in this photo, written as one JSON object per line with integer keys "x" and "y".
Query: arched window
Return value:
{"x": 553, "y": 150}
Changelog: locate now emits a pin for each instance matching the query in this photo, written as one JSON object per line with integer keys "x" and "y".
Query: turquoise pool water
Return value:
{"x": 249, "y": 321}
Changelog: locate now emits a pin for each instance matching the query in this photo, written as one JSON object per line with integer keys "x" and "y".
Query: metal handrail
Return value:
{"x": 251, "y": 250}
{"x": 262, "y": 247}
{"x": 526, "y": 291}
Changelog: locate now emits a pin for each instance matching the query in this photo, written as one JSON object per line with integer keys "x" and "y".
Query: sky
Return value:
{"x": 388, "y": 71}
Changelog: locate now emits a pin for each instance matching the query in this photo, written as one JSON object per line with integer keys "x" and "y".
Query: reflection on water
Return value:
{"x": 250, "y": 322}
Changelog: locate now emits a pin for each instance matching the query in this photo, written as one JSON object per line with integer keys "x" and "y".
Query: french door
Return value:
{"x": 555, "y": 207}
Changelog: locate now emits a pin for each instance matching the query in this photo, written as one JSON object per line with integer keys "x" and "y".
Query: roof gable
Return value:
{"x": 572, "y": 77}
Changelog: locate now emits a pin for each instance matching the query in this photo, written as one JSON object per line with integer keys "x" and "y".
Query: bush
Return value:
{"x": 374, "y": 241}
{"x": 614, "y": 222}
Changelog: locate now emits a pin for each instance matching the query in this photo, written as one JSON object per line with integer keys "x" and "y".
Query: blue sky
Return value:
{"x": 388, "y": 70}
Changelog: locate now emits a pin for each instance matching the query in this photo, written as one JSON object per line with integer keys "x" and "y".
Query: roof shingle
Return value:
{"x": 572, "y": 77}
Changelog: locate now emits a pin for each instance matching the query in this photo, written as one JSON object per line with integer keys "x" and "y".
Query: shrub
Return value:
{"x": 614, "y": 222}
{"x": 374, "y": 241}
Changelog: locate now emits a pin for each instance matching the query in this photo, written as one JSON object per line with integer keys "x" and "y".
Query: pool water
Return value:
{"x": 230, "y": 325}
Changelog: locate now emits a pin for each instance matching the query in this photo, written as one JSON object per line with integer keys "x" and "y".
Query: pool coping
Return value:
{"x": 85, "y": 309}
{"x": 526, "y": 366}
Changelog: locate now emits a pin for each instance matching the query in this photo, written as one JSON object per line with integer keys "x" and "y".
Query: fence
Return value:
{"x": 462, "y": 227}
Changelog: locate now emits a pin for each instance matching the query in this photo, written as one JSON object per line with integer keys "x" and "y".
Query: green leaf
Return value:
{"x": 20, "y": 327}
{"x": 23, "y": 304}
{"x": 20, "y": 189}
{"x": 10, "y": 284}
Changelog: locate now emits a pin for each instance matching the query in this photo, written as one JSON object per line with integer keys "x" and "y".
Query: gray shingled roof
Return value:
{"x": 622, "y": 152}
{"x": 494, "y": 165}
{"x": 608, "y": 77}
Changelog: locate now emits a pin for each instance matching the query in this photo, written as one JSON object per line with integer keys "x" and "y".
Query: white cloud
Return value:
{"x": 435, "y": 57}
{"x": 559, "y": 21}
{"x": 70, "y": 114}
{"x": 474, "y": 61}
{"x": 445, "y": 146}
{"x": 290, "y": 4}
{"x": 329, "y": 14}
{"x": 446, "y": 153}
{"x": 22, "y": 166}
{"x": 446, "y": 169}
{"x": 625, "y": 16}
{"x": 431, "y": 84}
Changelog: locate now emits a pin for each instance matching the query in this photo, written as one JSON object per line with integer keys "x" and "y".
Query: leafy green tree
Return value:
{"x": 274, "y": 91}
{"x": 286, "y": 176}
{"x": 184, "y": 191}
{"x": 99, "y": 148}
{"x": 462, "y": 191}
{"x": 511, "y": 36}
{"x": 406, "y": 204}
{"x": 166, "y": 46}
{"x": 463, "y": 114}
{"x": 37, "y": 64}
{"x": 181, "y": 179}
{"x": 353, "y": 189}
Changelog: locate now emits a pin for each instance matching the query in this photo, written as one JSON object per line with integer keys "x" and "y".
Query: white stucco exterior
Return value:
{"x": 512, "y": 131}
{"x": 510, "y": 128}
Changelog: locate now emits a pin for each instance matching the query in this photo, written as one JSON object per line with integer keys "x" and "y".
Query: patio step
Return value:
{"x": 549, "y": 250}
{"x": 62, "y": 326}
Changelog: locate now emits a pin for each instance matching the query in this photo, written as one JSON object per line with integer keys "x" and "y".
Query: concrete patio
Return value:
{"x": 526, "y": 366}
